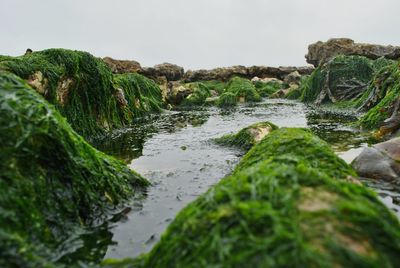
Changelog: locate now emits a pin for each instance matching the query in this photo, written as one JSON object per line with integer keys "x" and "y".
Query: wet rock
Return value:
{"x": 280, "y": 94}
{"x": 266, "y": 80}
{"x": 292, "y": 78}
{"x": 382, "y": 161}
{"x": 120, "y": 96}
{"x": 122, "y": 66}
{"x": 171, "y": 72}
{"x": 63, "y": 88}
{"x": 321, "y": 52}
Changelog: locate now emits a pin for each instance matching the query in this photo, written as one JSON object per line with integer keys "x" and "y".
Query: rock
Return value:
{"x": 38, "y": 82}
{"x": 176, "y": 93}
{"x": 171, "y": 72}
{"x": 122, "y": 66}
{"x": 380, "y": 161}
{"x": 321, "y": 52}
{"x": 292, "y": 78}
{"x": 63, "y": 88}
{"x": 261, "y": 72}
{"x": 266, "y": 80}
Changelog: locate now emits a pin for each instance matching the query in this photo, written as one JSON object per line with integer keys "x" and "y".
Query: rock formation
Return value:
{"x": 122, "y": 66}
{"x": 226, "y": 73}
{"x": 321, "y": 52}
{"x": 171, "y": 72}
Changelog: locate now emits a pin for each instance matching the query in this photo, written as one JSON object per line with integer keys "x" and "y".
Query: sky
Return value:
{"x": 195, "y": 34}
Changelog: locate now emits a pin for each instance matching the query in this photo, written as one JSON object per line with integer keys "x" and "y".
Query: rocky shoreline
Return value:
{"x": 55, "y": 101}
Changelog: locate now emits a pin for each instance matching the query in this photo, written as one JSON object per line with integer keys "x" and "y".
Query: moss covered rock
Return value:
{"x": 266, "y": 89}
{"x": 51, "y": 181}
{"x": 227, "y": 99}
{"x": 78, "y": 84}
{"x": 140, "y": 96}
{"x": 289, "y": 203}
{"x": 243, "y": 89}
{"x": 200, "y": 92}
{"x": 247, "y": 137}
{"x": 381, "y": 101}
{"x": 344, "y": 78}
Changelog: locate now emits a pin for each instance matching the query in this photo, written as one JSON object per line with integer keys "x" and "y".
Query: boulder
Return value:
{"x": 382, "y": 161}
{"x": 176, "y": 93}
{"x": 292, "y": 78}
{"x": 122, "y": 66}
{"x": 171, "y": 72}
{"x": 321, "y": 52}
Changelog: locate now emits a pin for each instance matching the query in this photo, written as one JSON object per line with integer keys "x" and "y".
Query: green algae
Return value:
{"x": 266, "y": 89}
{"x": 243, "y": 89}
{"x": 78, "y": 84}
{"x": 289, "y": 203}
{"x": 200, "y": 93}
{"x": 143, "y": 96}
{"x": 341, "y": 72}
{"x": 51, "y": 181}
{"x": 384, "y": 90}
{"x": 216, "y": 85}
{"x": 82, "y": 88}
{"x": 247, "y": 137}
{"x": 227, "y": 99}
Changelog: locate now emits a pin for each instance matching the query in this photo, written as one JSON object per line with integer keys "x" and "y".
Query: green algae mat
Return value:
{"x": 84, "y": 90}
{"x": 291, "y": 202}
{"x": 52, "y": 182}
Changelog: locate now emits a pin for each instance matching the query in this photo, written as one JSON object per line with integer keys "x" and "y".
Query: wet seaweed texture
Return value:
{"x": 227, "y": 99}
{"x": 243, "y": 89}
{"x": 143, "y": 96}
{"x": 266, "y": 89}
{"x": 199, "y": 95}
{"x": 78, "y": 84}
{"x": 379, "y": 100}
{"x": 51, "y": 181}
{"x": 247, "y": 137}
{"x": 290, "y": 203}
{"x": 345, "y": 77}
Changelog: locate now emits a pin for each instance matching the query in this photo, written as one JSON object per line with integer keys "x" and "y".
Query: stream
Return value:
{"x": 176, "y": 153}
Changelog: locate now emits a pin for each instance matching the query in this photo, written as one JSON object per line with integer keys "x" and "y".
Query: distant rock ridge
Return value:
{"x": 321, "y": 52}
{"x": 173, "y": 72}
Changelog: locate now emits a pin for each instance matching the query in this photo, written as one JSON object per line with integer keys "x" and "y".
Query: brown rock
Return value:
{"x": 322, "y": 52}
{"x": 122, "y": 66}
{"x": 171, "y": 72}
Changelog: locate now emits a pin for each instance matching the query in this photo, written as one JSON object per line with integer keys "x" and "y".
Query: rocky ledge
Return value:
{"x": 321, "y": 52}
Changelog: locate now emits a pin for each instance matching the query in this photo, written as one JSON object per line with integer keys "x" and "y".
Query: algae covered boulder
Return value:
{"x": 344, "y": 78}
{"x": 247, "y": 137}
{"x": 382, "y": 101}
{"x": 51, "y": 181}
{"x": 243, "y": 89}
{"x": 82, "y": 88}
{"x": 291, "y": 202}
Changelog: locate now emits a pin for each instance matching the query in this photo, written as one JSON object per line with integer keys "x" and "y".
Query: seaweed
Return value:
{"x": 265, "y": 89}
{"x": 344, "y": 78}
{"x": 380, "y": 97}
{"x": 200, "y": 93}
{"x": 51, "y": 181}
{"x": 142, "y": 95}
{"x": 291, "y": 202}
{"x": 227, "y": 99}
{"x": 243, "y": 89}
{"x": 81, "y": 88}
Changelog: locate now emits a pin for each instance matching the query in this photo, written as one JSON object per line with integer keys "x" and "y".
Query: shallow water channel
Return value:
{"x": 176, "y": 153}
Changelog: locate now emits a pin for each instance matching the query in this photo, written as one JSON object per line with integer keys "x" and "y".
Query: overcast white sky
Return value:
{"x": 195, "y": 33}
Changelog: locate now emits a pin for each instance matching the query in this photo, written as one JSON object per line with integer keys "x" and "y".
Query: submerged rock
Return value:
{"x": 52, "y": 183}
{"x": 382, "y": 161}
{"x": 322, "y": 52}
{"x": 289, "y": 203}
